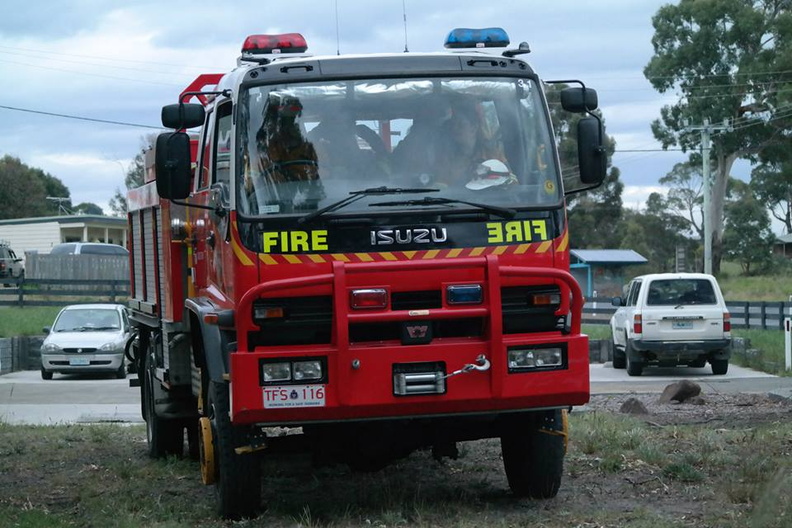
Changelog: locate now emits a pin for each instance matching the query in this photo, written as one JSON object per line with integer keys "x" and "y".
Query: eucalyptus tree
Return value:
{"x": 726, "y": 61}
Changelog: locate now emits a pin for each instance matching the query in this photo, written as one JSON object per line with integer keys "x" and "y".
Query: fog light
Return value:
{"x": 274, "y": 372}
{"x": 307, "y": 370}
{"x": 464, "y": 294}
{"x": 535, "y": 358}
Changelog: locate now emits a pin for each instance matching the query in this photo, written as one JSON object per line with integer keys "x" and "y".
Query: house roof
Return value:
{"x": 784, "y": 239}
{"x": 70, "y": 219}
{"x": 620, "y": 257}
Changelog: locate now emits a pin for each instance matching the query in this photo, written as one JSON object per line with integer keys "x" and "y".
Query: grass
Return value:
{"x": 26, "y": 321}
{"x": 737, "y": 287}
{"x": 764, "y": 351}
{"x": 620, "y": 471}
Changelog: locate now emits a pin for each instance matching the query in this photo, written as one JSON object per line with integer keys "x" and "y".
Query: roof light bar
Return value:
{"x": 273, "y": 44}
{"x": 477, "y": 38}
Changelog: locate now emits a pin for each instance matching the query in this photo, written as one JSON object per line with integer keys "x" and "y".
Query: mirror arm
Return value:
{"x": 218, "y": 210}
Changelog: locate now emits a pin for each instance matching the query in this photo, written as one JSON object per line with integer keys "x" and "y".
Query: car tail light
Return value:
{"x": 637, "y": 324}
{"x": 726, "y": 322}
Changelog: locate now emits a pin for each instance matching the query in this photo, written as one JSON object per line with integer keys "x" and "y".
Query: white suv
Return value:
{"x": 671, "y": 319}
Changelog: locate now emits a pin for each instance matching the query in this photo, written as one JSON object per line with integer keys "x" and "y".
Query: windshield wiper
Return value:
{"x": 357, "y": 195}
{"x": 503, "y": 212}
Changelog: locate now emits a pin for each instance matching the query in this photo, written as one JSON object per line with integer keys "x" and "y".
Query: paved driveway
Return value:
{"x": 26, "y": 398}
{"x": 67, "y": 398}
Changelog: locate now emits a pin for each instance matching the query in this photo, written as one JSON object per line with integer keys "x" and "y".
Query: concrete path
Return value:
{"x": 27, "y": 399}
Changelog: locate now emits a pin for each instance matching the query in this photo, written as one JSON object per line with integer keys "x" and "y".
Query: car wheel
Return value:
{"x": 533, "y": 455}
{"x": 619, "y": 359}
{"x": 46, "y": 374}
{"x": 121, "y": 372}
{"x": 719, "y": 366}
{"x": 238, "y": 477}
{"x": 634, "y": 368}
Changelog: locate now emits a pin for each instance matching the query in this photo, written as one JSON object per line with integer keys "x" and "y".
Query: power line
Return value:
{"x": 67, "y": 116}
{"x": 51, "y": 68}
{"x": 113, "y": 59}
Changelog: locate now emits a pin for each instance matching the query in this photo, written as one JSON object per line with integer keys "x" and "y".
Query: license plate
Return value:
{"x": 682, "y": 325}
{"x": 79, "y": 362}
{"x": 286, "y": 396}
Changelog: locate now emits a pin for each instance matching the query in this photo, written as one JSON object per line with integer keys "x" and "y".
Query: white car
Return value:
{"x": 11, "y": 266}
{"x": 671, "y": 319}
{"x": 87, "y": 338}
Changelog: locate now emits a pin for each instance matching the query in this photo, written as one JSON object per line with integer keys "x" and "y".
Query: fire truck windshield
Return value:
{"x": 482, "y": 141}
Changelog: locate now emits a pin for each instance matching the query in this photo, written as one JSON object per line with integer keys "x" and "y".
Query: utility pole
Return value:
{"x": 706, "y": 130}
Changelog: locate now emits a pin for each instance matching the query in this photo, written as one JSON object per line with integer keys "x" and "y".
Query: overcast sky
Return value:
{"x": 122, "y": 61}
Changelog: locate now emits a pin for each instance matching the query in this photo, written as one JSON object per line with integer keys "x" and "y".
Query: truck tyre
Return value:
{"x": 719, "y": 366}
{"x": 237, "y": 477}
{"x": 533, "y": 455}
{"x": 634, "y": 368}
{"x": 164, "y": 437}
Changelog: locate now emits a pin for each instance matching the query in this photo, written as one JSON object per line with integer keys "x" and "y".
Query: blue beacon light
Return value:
{"x": 477, "y": 38}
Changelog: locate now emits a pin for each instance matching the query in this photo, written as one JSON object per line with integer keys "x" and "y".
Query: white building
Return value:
{"x": 41, "y": 234}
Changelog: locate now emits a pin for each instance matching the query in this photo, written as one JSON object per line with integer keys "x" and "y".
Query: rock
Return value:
{"x": 696, "y": 400}
{"x": 680, "y": 391}
{"x": 633, "y": 406}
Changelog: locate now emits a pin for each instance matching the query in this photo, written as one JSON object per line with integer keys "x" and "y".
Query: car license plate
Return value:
{"x": 682, "y": 325}
{"x": 285, "y": 396}
{"x": 79, "y": 362}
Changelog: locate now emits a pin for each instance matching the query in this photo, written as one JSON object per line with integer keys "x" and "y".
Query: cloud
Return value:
{"x": 124, "y": 61}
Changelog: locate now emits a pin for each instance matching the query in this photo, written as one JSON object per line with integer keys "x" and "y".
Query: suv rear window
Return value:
{"x": 676, "y": 292}
{"x": 63, "y": 249}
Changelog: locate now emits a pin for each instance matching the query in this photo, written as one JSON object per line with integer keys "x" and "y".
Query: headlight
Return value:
{"x": 524, "y": 359}
{"x": 274, "y": 372}
{"x": 109, "y": 348}
{"x": 50, "y": 348}
{"x": 307, "y": 370}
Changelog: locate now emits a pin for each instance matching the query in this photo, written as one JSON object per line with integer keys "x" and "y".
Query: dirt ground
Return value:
{"x": 734, "y": 410}
{"x": 723, "y": 463}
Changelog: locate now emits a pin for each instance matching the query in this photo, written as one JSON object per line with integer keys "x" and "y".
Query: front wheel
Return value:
{"x": 533, "y": 454}
{"x": 619, "y": 358}
{"x": 46, "y": 374}
{"x": 237, "y": 477}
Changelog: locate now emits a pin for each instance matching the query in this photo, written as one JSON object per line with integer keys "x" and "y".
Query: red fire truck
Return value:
{"x": 369, "y": 252}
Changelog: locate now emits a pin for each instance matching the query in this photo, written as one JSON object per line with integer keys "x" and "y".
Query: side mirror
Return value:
{"x": 172, "y": 164}
{"x": 617, "y": 301}
{"x": 46, "y": 329}
{"x": 591, "y": 154}
{"x": 579, "y": 99}
{"x": 183, "y": 115}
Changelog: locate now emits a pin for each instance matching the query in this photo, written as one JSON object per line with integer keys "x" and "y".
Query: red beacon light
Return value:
{"x": 273, "y": 44}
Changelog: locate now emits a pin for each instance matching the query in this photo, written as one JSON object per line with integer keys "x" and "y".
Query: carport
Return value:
{"x": 602, "y": 270}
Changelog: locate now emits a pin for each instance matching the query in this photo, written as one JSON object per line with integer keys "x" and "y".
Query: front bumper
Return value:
{"x": 82, "y": 362}
{"x": 360, "y": 383}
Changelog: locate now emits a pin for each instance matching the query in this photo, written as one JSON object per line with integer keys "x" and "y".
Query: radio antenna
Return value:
{"x": 338, "y": 38}
{"x": 404, "y": 14}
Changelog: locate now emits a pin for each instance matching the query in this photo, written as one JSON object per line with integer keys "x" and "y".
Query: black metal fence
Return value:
{"x": 763, "y": 315}
{"x": 57, "y": 292}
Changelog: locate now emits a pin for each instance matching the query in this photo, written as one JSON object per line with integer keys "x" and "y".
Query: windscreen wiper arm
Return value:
{"x": 357, "y": 195}
{"x": 503, "y": 212}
